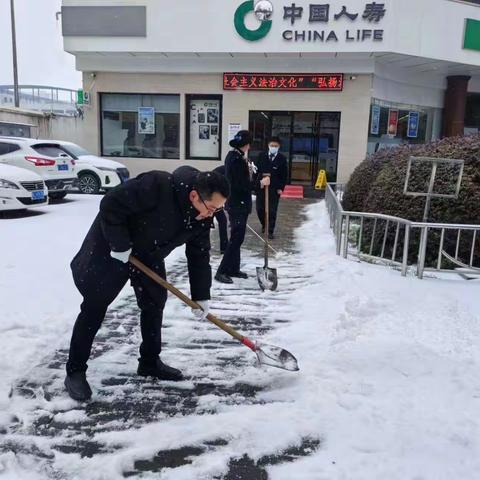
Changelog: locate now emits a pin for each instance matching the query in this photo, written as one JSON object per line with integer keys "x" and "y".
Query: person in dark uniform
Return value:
{"x": 274, "y": 164}
{"x": 147, "y": 217}
{"x": 221, "y": 218}
{"x": 238, "y": 171}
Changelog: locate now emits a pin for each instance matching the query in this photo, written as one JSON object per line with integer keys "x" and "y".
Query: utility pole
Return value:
{"x": 14, "y": 51}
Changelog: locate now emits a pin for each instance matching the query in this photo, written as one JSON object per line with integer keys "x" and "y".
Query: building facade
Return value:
{"x": 169, "y": 83}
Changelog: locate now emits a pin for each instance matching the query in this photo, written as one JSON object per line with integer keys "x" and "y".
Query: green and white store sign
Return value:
{"x": 263, "y": 11}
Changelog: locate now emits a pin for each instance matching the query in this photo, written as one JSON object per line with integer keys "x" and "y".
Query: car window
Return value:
{"x": 75, "y": 149}
{"x": 49, "y": 150}
{"x": 8, "y": 148}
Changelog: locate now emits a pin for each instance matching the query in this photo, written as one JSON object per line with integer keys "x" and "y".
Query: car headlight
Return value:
{"x": 105, "y": 169}
{"x": 7, "y": 184}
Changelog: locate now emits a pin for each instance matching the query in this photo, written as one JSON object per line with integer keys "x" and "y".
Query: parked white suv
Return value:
{"x": 21, "y": 188}
{"x": 95, "y": 173}
{"x": 44, "y": 158}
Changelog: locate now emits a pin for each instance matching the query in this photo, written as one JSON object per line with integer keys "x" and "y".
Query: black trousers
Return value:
{"x": 151, "y": 300}
{"x": 273, "y": 200}
{"x": 231, "y": 260}
{"x": 221, "y": 217}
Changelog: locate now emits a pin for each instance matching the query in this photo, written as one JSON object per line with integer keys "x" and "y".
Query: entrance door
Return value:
{"x": 309, "y": 141}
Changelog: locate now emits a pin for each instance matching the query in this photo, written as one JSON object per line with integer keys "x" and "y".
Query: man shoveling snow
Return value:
{"x": 148, "y": 217}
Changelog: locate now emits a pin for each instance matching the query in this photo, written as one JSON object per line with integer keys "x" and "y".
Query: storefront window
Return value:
{"x": 146, "y": 126}
{"x": 204, "y": 127}
{"x": 14, "y": 130}
{"x": 472, "y": 113}
{"x": 394, "y": 124}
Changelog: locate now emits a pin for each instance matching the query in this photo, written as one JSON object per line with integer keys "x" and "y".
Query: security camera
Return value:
{"x": 93, "y": 74}
{"x": 353, "y": 77}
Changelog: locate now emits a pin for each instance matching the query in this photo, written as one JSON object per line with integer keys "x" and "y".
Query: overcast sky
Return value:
{"x": 41, "y": 59}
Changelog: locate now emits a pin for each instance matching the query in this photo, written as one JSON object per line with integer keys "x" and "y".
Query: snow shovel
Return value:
{"x": 267, "y": 277}
{"x": 266, "y": 354}
{"x": 262, "y": 239}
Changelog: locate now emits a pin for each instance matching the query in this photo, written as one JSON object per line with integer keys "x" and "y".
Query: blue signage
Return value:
{"x": 413, "y": 121}
{"x": 375, "y": 123}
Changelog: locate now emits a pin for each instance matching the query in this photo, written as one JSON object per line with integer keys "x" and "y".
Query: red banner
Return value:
{"x": 283, "y": 82}
{"x": 392, "y": 122}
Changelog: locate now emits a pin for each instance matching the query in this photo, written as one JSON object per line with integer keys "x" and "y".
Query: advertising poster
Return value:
{"x": 375, "y": 123}
{"x": 392, "y": 122}
{"x": 413, "y": 121}
{"x": 233, "y": 129}
{"x": 146, "y": 120}
{"x": 204, "y": 128}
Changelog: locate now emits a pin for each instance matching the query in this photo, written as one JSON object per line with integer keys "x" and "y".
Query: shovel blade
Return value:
{"x": 267, "y": 278}
{"x": 276, "y": 357}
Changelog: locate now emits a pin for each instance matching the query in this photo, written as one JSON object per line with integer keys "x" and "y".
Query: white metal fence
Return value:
{"x": 423, "y": 247}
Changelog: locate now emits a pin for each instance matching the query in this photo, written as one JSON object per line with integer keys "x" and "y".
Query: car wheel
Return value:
{"x": 57, "y": 195}
{"x": 88, "y": 183}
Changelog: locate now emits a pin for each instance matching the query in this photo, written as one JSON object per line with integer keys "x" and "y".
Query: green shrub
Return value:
{"x": 377, "y": 183}
{"x": 377, "y": 186}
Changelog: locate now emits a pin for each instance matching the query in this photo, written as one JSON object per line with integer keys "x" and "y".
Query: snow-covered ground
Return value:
{"x": 38, "y": 298}
{"x": 389, "y": 376}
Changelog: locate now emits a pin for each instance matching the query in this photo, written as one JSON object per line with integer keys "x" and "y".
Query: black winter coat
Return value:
{"x": 238, "y": 177}
{"x": 278, "y": 169}
{"x": 151, "y": 214}
{"x": 220, "y": 170}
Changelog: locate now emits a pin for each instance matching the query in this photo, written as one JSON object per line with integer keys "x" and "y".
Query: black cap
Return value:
{"x": 241, "y": 139}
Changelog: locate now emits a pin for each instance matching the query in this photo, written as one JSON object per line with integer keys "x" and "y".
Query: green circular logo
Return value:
{"x": 243, "y": 31}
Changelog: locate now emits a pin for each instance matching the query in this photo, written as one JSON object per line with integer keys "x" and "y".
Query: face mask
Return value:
{"x": 273, "y": 150}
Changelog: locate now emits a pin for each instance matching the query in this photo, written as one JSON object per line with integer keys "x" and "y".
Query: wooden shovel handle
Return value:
{"x": 161, "y": 281}
{"x": 267, "y": 219}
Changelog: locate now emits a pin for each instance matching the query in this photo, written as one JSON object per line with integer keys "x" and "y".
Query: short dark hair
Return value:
{"x": 275, "y": 139}
{"x": 207, "y": 183}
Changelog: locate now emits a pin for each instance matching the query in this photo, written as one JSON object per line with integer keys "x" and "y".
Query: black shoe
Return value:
{"x": 159, "y": 370}
{"x": 239, "y": 274}
{"x": 222, "y": 278}
{"x": 271, "y": 236}
{"x": 78, "y": 387}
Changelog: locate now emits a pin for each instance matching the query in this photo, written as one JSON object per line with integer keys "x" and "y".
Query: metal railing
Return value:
{"x": 394, "y": 241}
{"x": 58, "y": 100}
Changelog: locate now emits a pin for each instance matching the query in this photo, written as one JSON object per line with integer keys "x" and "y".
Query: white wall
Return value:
{"x": 70, "y": 129}
{"x": 396, "y": 85}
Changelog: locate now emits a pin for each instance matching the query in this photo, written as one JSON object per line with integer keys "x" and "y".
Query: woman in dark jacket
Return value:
{"x": 238, "y": 171}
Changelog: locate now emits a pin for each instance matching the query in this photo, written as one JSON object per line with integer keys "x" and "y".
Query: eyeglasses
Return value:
{"x": 214, "y": 211}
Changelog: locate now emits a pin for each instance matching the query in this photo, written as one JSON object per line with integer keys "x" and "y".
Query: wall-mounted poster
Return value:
{"x": 146, "y": 120}
{"x": 413, "y": 123}
{"x": 233, "y": 129}
{"x": 204, "y": 126}
{"x": 375, "y": 123}
{"x": 392, "y": 122}
{"x": 212, "y": 115}
{"x": 204, "y": 132}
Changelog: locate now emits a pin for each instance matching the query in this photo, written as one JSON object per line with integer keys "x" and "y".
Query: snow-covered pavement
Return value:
{"x": 388, "y": 385}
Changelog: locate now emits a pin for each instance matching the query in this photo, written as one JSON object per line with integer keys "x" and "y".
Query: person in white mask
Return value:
{"x": 274, "y": 163}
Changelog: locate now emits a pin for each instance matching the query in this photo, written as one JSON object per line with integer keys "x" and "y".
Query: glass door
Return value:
{"x": 309, "y": 141}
